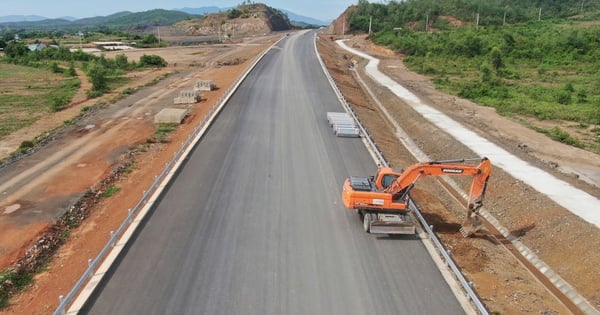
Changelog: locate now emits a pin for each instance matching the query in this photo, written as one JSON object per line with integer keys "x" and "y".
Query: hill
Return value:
{"x": 21, "y": 18}
{"x": 414, "y": 14}
{"x": 301, "y": 20}
{"x": 295, "y": 19}
{"x": 244, "y": 20}
{"x": 202, "y": 10}
{"x": 119, "y": 21}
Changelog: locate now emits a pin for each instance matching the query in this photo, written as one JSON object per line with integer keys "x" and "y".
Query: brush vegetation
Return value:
{"x": 546, "y": 68}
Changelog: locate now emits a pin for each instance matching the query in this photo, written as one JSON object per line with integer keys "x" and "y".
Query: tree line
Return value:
{"x": 425, "y": 13}
{"x": 545, "y": 68}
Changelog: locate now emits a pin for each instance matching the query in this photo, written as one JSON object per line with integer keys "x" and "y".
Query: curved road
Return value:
{"x": 253, "y": 223}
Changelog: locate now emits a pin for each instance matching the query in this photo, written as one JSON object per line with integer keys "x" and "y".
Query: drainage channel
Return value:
{"x": 509, "y": 246}
{"x": 576, "y": 304}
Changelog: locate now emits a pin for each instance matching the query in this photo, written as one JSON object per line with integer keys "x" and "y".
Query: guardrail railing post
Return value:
{"x": 61, "y": 309}
{"x": 467, "y": 286}
{"x": 112, "y": 238}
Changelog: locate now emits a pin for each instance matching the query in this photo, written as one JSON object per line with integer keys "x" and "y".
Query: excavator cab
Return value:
{"x": 385, "y": 176}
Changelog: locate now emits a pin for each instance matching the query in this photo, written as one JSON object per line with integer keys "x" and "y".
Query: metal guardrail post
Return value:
{"x": 467, "y": 286}
{"x": 66, "y": 300}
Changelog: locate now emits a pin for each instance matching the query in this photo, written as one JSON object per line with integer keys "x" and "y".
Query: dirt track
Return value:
{"x": 38, "y": 188}
{"x": 557, "y": 237}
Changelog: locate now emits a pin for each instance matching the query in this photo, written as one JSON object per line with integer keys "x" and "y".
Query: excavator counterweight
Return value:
{"x": 382, "y": 200}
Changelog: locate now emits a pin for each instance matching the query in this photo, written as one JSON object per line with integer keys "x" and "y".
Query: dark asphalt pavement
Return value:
{"x": 254, "y": 224}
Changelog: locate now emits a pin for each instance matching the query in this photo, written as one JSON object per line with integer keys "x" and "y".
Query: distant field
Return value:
{"x": 27, "y": 93}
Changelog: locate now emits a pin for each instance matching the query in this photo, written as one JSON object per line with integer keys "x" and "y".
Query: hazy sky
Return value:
{"x": 319, "y": 9}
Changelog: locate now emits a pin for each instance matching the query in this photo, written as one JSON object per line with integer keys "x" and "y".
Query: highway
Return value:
{"x": 253, "y": 223}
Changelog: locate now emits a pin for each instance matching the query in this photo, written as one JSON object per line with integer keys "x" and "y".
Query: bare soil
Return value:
{"x": 81, "y": 155}
{"x": 37, "y": 189}
{"x": 558, "y": 237}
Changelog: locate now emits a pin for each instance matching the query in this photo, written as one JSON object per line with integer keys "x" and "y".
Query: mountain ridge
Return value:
{"x": 33, "y": 21}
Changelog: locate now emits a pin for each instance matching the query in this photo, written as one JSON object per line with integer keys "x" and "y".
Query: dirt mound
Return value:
{"x": 341, "y": 25}
{"x": 251, "y": 19}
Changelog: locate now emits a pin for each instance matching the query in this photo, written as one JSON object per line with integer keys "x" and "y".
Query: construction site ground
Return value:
{"x": 562, "y": 240}
{"x": 79, "y": 156}
{"x": 41, "y": 186}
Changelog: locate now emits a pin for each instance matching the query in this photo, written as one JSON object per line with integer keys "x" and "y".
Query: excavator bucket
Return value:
{"x": 471, "y": 225}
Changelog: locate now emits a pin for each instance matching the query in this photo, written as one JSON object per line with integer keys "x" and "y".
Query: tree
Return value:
{"x": 71, "y": 70}
{"x": 14, "y": 50}
{"x": 55, "y": 68}
{"x": 97, "y": 76}
{"x": 152, "y": 61}
{"x": 497, "y": 62}
{"x": 234, "y": 13}
{"x": 485, "y": 73}
{"x": 121, "y": 61}
{"x": 150, "y": 39}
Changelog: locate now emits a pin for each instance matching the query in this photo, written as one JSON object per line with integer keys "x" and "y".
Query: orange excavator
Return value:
{"x": 382, "y": 200}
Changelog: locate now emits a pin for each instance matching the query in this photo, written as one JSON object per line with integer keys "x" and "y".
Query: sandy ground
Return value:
{"x": 97, "y": 143}
{"x": 38, "y": 188}
{"x": 559, "y": 238}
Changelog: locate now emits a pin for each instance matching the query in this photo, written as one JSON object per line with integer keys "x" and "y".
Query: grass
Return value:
{"x": 162, "y": 130}
{"x": 110, "y": 191}
{"x": 560, "y": 92}
{"x": 11, "y": 282}
{"x": 26, "y": 94}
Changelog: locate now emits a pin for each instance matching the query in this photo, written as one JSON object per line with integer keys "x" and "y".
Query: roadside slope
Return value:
{"x": 557, "y": 236}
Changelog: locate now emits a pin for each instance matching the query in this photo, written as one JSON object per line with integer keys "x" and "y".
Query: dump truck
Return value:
{"x": 382, "y": 200}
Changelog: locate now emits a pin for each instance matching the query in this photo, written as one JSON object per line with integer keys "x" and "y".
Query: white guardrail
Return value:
{"x": 467, "y": 286}
{"x": 170, "y": 167}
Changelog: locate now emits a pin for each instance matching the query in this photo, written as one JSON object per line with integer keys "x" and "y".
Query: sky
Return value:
{"x": 318, "y": 9}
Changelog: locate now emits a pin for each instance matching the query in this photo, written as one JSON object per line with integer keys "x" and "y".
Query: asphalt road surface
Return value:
{"x": 254, "y": 224}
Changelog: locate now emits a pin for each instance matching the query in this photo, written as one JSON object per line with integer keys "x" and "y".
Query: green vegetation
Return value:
{"x": 234, "y": 13}
{"x": 152, "y": 61}
{"x": 110, "y": 191}
{"x": 560, "y": 135}
{"x": 10, "y": 283}
{"x": 441, "y": 14}
{"x": 101, "y": 71}
{"x": 118, "y": 21}
{"x": 26, "y": 94}
{"x": 545, "y": 69}
{"x": 162, "y": 130}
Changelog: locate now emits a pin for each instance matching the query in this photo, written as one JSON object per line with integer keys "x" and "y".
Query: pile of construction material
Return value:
{"x": 205, "y": 85}
{"x": 171, "y": 116}
{"x": 343, "y": 125}
{"x": 188, "y": 97}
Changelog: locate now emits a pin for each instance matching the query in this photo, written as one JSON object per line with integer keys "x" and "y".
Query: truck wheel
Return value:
{"x": 367, "y": 222}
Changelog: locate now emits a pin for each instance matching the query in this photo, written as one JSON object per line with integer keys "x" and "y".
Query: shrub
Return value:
{"x": 563, "y": 97}
{"x": 60, "y": 101}
{"x": 152, "y": 61}
{"x": 27, "y": 144}
{"x": 110, "y": 191}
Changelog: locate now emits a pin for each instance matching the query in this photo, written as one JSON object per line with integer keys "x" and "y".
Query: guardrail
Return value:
{"x": 467, "y": 286}
{"x": 93, "y": 264}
